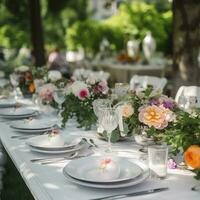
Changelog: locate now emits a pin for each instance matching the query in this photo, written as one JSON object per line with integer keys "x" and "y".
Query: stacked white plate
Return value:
{"x": 6, "y": 103}
{"x": 17, "y": 113}
{"x": 131, "y": 173}
{"x": 32, "y": 126}
{"x": 41, "y": 144}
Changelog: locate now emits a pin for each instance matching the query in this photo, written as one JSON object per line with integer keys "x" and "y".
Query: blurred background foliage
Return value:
{"x": 69, "y": 24}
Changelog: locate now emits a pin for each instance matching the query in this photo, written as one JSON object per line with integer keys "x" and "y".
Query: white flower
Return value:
{"x": 22, "y": 68}
{"x": 77, "y": 86}
{"x": 54, "y": 75}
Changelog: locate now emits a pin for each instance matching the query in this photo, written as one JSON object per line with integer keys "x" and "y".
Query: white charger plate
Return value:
{"x": 122, "y": 184}
{"x": 34, "y": 124}
{"x": 38, "y": 142}
{"x": 86, "y": 169}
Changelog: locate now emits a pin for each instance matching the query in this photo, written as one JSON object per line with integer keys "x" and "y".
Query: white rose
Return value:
{"x": 77, "y": 86}
{"x": 54, "y": 75}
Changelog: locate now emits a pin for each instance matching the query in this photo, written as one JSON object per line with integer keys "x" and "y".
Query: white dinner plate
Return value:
{"x": 87, "y": 169}
{"x": 34, "y": 124}
{"x": 37, "y": 131}
{"x": 68, "y": 150}
{"x": 16, "y": 112}
{"x": 5, "y": 103}
{"x": 39, "y": 143}
{"x": 122, "y": 184}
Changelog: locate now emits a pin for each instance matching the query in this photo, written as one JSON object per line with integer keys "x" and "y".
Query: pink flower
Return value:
{"x": 83, "y": 93}
{"x": 101, "y": 87}
{"x": 46, "y": 93}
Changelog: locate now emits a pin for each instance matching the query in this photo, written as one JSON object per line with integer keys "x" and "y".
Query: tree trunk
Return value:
{"x": 37, "y": 33}
{"x": 186, "y": 41}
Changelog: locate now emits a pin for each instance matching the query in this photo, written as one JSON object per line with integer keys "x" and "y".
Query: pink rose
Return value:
{"x": 102, "y": 87}
{"x": 155, "y": 116}
{"x": 83, "y": 93}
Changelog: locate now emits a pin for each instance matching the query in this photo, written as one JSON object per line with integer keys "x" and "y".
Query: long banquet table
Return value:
{"x": 46, "y": 182}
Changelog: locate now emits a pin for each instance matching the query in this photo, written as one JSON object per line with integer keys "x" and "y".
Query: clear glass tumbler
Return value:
{"x": 157, "y": 156}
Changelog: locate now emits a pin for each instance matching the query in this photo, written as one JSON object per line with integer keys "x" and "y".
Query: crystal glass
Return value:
{"x": 14, "y": 79}
{"x": 157, "y": 155}
{"x": 109, "y": 121}
{"x": 98, "y": 104}
{"x": 190, "y": 103}
{"x": 59, "y": 97}
{"x": 121, "y": 89}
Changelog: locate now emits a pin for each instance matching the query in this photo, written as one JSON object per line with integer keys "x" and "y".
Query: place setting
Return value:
{"x": 59, "y": 147}
{"x": 105, "y": 172}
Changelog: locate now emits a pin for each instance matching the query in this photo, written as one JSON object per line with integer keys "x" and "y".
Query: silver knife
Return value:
{"x": 120, "y": 196}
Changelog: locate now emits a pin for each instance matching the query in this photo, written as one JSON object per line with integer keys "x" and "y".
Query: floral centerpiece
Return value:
{"x": 79, "y": 98}
{"x": 26, "y": 83}
{"x": 160, "y": 118}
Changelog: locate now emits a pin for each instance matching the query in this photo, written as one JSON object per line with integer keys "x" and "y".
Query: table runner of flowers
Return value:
{"x": 143, "y": 112}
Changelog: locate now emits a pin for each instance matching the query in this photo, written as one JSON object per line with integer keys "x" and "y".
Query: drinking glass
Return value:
{"x": 191, "y": 102}
{"x": 157, "y": 155}
{"x": 109, "y": 121}
{"x": 121, "y": 89}
{"x": 59, "y": 97}
{"x": 14, "y": 79}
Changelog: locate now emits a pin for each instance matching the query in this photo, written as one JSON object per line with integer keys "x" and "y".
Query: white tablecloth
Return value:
{"x": 48, "y": 183}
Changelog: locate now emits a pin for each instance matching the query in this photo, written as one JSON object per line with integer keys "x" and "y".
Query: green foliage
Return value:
{"x": 133, "y": 20}
{"x": 89, "y": 34}
{"x": 80, "y": 109}
{"x": 184, "y": 132}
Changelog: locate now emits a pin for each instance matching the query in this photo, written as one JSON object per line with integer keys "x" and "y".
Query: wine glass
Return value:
{"x": 14, "y": 79}
{"x": 59, "y": 97}
{"x": 109, "y": 120}
{"x": 191, "y": 102}
{"x": 97, "y": 105}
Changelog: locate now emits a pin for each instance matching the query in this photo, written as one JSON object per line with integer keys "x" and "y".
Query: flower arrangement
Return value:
{"x": 78, "y": 101}
{"x": 46, "y": 93}
{"x": 161, "y": 119}
{"x": 26, "y": 83}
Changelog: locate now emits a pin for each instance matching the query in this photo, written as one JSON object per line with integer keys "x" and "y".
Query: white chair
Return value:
{"x": 143, "y": 81}
{"x": 185, "y": 92}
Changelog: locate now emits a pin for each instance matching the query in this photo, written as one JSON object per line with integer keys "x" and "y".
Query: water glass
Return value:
{"x": 157, "y": 156}
{"x": 121, "y": 89}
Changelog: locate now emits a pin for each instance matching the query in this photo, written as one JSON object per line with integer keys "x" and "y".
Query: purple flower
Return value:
{"x": 169, "y": 104}
{"x": 154, "y": 102}
{"x": 171, "y": 164}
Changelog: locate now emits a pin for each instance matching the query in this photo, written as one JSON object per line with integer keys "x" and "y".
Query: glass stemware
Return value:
{"x": 109, "y": 121}
{"x": 97, "y": 105}
{"x": 14, "y": 79}
{"x": 59, "y": 97}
